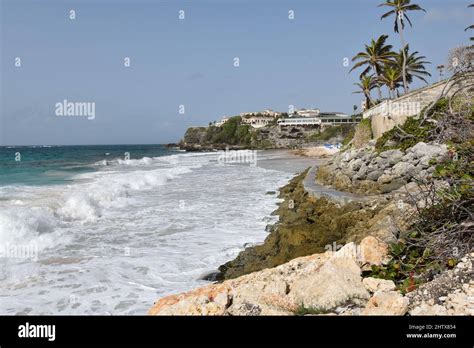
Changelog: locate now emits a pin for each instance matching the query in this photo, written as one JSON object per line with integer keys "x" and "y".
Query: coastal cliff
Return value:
{"x": 402, "y": 244}
{"x": 236, "y": 135}
{"x": 329, "y": 283}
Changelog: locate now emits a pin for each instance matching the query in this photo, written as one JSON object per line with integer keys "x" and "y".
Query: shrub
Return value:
{"x": 412, "y": 130}
{"x": 362, "y": 133}
{"x": 302, "y": 310}
{"x": 443, "y": 230}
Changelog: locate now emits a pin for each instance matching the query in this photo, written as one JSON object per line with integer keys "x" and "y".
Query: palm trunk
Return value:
{"x": 405, "y": 87}
{"x": 368, "y": 100}
{"x": 378, "y": 85}
{"x": 371, "y": 102}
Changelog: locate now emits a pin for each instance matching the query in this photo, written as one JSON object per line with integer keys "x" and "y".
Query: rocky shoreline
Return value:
{"x": 329, "y": 283}
{"x": 323, "y": 257}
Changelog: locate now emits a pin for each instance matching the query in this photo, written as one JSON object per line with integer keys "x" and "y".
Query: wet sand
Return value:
{"x": 285, "y": 161}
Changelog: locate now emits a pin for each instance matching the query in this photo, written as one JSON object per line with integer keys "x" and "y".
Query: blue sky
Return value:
{"x": 190, "y": 62}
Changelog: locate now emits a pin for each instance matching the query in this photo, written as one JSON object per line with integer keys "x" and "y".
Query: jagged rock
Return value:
{"x": 373, "y": 251}
{"x": 422, "y": 149}
{"x": 328, "y": 281}
{"x": 427, "y": 309}
{"x": 355, "y": 164}
{"x": 395, "y": 184}
{"x": 323, "y": 281}
{"x": 259, "y": 293}
{"x": 393, "y": 155}
{"x": 451, "y": 293}
{"x": 209, "y": 300}
{"x": 245, "y": 308}
{"x": 375, "y": 284}
{"x": 403, "y": 169}
{"x": 461, "y": 303}
{"x": 386, "y": 303}
{"x": 380, "y": 163}
{"x": 362, "y": 171}
{"x": 337, "y": 282}
{"x": 342, "y": 180}
{"x": 374, "y": 175}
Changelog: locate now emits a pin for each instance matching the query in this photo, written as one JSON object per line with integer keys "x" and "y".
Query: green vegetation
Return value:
{"x": 195, "y": 134}
{"x": 306, "y": 226}
{"x": 349, "y": 136}
{"x": 414, "y": 65}
{"x": 412, "y": 131}
{"x": 302, "y": 310}
{"x": 232, "y": 133}
{"x": 384, "y": 67}
{"x": 363, "y": 133}
{"x": 375, "y": 56}
{"x": 399, "y": 10}
{"x": 331, "y": 132}
{"x": 442, "y": 231}
{"x": 366, "y": 85}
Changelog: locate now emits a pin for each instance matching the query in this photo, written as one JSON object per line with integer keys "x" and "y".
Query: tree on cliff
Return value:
{"x": 376, "y": 54}
{"x": 414, "y": 65}
{"x": 366, "y": 84}
{"x": 399, "y": 10}
{"x": 390, "y": 78}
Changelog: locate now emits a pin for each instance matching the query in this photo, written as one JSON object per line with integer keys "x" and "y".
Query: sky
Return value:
{"x": 189, "y": 63}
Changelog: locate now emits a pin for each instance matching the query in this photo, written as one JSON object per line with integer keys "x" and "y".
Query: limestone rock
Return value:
{"x": 209, "y": 300}
{"x": 373, "y": 251}
{"x": 386, "y": 303}
{"x": 395, "y": 184}
{"x": 422, "y": 149}
{"x": 393, "y": 155}
{"x": 427, "y": 309}
{"x": 374, "y": 175}
{"x": 338, "y": 281}
{"x": 403, "y": 169}
{"x": 375, "y": 284}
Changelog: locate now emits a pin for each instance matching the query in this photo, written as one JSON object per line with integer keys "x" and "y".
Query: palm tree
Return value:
{"x": 366, "y": 84}
{"x": 391, "y": 78}
{"x": 376, "y": 54}
{"x": 471, "y": 26}
{"x": 400, "y": 9}
{"x": 414, "y": 65}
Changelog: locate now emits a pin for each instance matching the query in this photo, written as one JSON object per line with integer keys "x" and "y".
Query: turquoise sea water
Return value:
{"x": 83, "y": 230}
{"x": 45, "y": 165}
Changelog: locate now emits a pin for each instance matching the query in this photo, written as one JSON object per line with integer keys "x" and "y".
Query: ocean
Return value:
{"x": 109, "y": 229}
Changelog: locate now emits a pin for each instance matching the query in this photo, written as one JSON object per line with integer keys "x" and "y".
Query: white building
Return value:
{"x": 323, "y": 119}
{"x": 266, "y": 112}
{"x": 307, "y": 112}
{"x": 221, "y": 122}
{"x": 300, "y": 121}
{"x": 257, "y": 121}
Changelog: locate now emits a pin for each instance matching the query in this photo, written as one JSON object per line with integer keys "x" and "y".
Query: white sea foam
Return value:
{"x": 116, "y": 239}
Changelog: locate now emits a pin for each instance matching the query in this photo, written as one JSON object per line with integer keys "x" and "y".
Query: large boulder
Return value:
{"x": 403, "y": 169}
{"x": 374, "y": 251}
{"x": 422, "y": 149}
{"x": 393, "y": 155}
{"x": 386, "y": 303}
{"x": 376, "y": 284}
{"x": 320, "y": 281}
{"x": 337, "y": 282}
